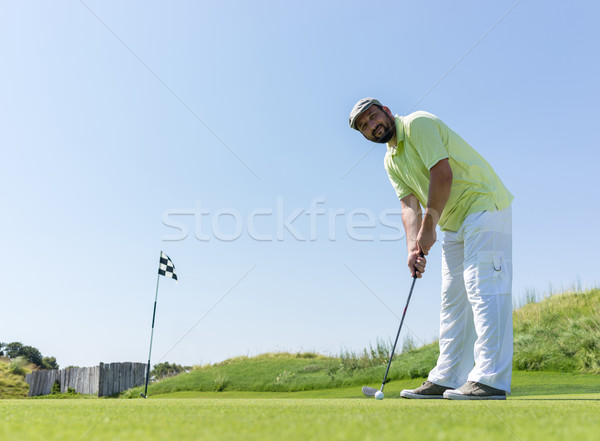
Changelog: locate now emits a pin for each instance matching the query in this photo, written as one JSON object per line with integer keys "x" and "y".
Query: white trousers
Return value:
{"x": 476, "y": 336}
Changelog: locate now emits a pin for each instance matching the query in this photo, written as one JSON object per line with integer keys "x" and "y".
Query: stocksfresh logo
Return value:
{"x": 268, "y": 224}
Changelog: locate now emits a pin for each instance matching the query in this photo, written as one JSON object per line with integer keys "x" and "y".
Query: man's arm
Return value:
{"x": 440, "y": 184}
{"x": 411, "y": 218}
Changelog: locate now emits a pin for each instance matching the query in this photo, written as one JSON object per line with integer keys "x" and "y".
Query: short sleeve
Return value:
{"x": 423, "y": 134}
{"x": 401, "y": 189}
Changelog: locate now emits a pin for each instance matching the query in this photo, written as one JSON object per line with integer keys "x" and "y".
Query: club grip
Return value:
{"x": 421, "y": 255}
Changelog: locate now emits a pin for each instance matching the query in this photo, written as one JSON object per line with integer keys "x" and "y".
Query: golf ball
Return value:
{"x": 379, "y": 395}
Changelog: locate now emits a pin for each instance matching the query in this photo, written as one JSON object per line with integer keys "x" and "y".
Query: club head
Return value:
{"x": 369, "y": 391}
{"x": 144, "y": 396}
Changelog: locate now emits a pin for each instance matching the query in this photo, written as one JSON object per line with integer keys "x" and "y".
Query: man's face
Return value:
{"x": 377, "y": 124}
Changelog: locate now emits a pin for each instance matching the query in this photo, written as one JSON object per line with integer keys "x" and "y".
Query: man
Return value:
{"x": 429, "y": 165}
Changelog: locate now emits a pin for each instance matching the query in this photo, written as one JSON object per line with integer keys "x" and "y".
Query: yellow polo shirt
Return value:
{"x": 423, "y": 141}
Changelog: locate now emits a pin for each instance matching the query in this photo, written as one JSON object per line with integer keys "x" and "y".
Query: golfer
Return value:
{"x": 431, "y": 166}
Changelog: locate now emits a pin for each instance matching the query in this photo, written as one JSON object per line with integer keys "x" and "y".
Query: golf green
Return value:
{"x": 544, "y": 418}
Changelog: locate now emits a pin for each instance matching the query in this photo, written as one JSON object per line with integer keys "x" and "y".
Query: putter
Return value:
{"x": 371, "y": 391}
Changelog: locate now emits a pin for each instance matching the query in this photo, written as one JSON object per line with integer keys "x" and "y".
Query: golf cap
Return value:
{"x": 360, "y": 107}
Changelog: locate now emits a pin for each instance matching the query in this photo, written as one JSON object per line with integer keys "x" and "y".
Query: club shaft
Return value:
{"x": 398, "y": 334}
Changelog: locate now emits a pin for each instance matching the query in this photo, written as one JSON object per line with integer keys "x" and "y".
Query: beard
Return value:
{"x": 389, "y": 130}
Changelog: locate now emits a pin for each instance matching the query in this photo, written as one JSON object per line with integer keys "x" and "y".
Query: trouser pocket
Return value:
{"x": 493, "y": 274}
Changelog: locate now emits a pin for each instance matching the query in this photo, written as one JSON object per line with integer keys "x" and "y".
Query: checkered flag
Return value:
{"x": 166, "y": 267}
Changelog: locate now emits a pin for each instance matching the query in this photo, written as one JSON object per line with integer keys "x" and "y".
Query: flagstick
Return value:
{"x": 151, "y": 337}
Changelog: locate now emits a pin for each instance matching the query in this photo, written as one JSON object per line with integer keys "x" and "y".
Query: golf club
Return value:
{"x": 371, "y": 391}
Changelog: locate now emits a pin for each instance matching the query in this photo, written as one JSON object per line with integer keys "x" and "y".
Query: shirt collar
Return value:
{"x": 393, "y": 149}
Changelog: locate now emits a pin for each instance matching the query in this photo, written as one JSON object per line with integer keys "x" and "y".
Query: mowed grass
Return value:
{"x": 525, "y": 385}
{"x": 544, "y": 406}
{"x": 299, "y": 419}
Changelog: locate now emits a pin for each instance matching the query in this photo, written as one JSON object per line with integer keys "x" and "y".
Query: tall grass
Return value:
{"x": 368, "y": 357}
{"x": 560, "y": 333}
{"x": 532, "y": 295}
{"x": 374, "y": 355}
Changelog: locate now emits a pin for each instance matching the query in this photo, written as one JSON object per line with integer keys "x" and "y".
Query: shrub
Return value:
{"x": 49, "y": 363}
{"x": 220, "y": 383}
{"x": 19, "y": 366}
{"x": 166, "y": 369}
{"x": 17, "y": 349}
{"x": 307, "y": 355}
{"x": 55, "y": 388}
{"x": 313, "y": 368}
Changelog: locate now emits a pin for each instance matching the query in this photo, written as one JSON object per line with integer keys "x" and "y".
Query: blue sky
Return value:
{"x": 116, "y": 116}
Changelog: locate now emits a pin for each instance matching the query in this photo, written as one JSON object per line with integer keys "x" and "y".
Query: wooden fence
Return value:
{"x": 103, "y": 380}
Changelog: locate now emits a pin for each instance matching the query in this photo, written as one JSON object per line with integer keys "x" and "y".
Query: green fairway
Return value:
{"x": 298, "y": 397}
{"x": 544, "y": 406}
{"x": 299, "y": 419}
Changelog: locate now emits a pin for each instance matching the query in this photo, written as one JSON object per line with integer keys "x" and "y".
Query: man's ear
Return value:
{"x": 387, "y": 110}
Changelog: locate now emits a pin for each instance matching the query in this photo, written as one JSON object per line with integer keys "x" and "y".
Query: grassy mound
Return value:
{"x": 560, "y": 333}
{"x": 284, "y": 372}
{"x": 12, "y": 378}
